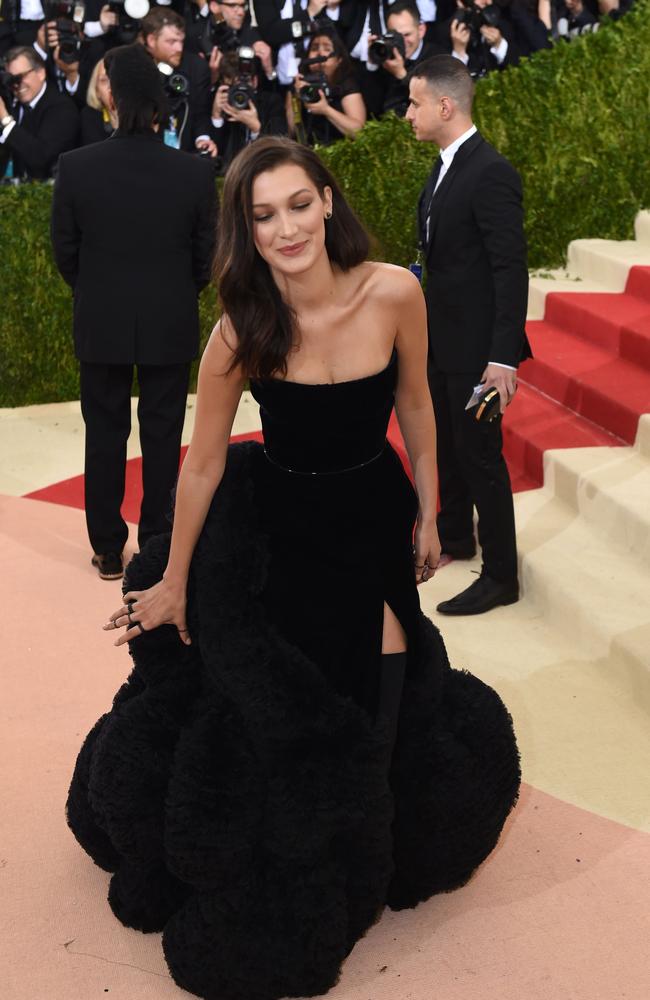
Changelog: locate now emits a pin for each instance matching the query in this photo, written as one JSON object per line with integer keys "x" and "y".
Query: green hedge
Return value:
{"x": 573, "y": 120}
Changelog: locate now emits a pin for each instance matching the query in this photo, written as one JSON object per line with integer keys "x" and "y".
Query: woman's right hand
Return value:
{"x": 144, "y": 610}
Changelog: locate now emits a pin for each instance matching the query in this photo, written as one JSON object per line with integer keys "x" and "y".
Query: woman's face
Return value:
{"x": 102, "y": 86}
{"x": 321, "y": 45}
{"x": 289, "y": 219}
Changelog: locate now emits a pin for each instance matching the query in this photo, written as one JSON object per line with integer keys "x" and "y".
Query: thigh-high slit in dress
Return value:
{"x": 241, "y": 790}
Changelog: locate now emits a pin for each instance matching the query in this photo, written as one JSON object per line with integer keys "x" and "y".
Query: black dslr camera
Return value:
{"x": 7, "y": 84}
{"x": 382, "y": 48}
{"x": 217, "y": 33}
{"x": 69, "y": 16}
{"x": 315, "y": 81}
{"x": 176, "y": 86}
{"x": 242, "y": 90}
{"x": 475, "y": 17}
{"x": 129, "y": 14}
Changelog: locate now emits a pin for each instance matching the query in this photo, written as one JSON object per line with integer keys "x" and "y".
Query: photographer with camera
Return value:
{"x": 37, "y": 122}
{"x": 187, "y": 81}
{"x": 61, "y": 42}
{"x": 287, "y": 26}
{"x": 133, "y": 227}
{"x": 327, "y": 98}
{"x": 228, "y": 28}
{"x": 481, "y": 37}
{"x": 397, "y": 52}
{"x": 240, "y": 111}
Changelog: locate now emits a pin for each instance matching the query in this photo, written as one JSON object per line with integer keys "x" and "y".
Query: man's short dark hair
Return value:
{"x": 137, "y": 88}
{"x": 404, "y": 7}
{"x": 159, "y": 18}
{"x": 30, "y": 54}
{"x": 447, "y": 75}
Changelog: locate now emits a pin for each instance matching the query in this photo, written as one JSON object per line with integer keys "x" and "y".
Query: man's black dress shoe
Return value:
{"x": 464, "y": 549}
{"x": 109, "y": 565}
{"x": 480, "y": 596}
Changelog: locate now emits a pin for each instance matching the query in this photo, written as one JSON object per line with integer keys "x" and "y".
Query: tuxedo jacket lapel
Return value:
{"x": 447, "y": 182}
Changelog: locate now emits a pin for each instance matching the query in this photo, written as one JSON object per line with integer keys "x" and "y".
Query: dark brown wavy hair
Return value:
{"x": 265, "y": 325}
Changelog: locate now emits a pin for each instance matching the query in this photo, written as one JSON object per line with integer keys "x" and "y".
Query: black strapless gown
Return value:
{"x": 240, "y": 789}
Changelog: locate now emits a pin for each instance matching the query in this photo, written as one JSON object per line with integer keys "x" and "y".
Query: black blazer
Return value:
{"x": 477, "y": 275}
{"x": 48, "y": 130}
{"x": 133, "y": 226}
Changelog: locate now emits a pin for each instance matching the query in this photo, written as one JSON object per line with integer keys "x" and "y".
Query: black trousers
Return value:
{"x": 473, "y": 473}
{"x": 106, "y": 409}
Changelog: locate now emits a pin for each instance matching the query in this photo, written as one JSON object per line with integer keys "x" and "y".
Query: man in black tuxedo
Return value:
{"x": 188, "y": 126}
{"x": 472, "y": 238}
{"x": 133, "y": 225}
{"x": 42, "y": 124}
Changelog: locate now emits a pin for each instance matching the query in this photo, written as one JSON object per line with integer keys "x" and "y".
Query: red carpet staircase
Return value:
{"x": 589, "y": 380}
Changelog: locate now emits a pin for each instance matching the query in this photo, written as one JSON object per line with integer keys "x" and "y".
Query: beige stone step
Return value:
{"x": 588, "y": 589}
{"x": 592, "y": 266}
{"x": 607, "y": 262}
{"x": 642, "y": 442}
{"x": 610, "y": 489}
{"x": 642, "y": 226}
{"x": 543, "y": 282}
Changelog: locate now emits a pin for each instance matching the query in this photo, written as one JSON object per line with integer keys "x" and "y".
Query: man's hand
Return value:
{"x": 214, "y": 62}
{"x": 107, "y": 18}
{"x": 315, "y": 7}
{"x": 460, "y": 36}
{"x": 207, "y": 144}
{"x": 503, "y": 379}
{"x": 395, "y": 65}
{"x": 492, "y": 36}
{"x": 265, "y": 56}
{"x": 220, "y": 101}
{"x": 51, "y": 35}
{"x": 3, "y": 109}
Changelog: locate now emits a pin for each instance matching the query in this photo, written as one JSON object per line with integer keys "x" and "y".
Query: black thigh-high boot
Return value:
{"x": 391, "y": 682}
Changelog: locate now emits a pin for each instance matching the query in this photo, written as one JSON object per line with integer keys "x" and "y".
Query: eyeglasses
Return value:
{"x": 16, "y": 79}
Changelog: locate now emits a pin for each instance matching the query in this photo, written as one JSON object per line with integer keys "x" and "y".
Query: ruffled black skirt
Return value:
{"x": 239, "y": 789}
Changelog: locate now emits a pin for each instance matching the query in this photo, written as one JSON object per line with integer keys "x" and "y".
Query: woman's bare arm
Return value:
{"x": 218, "y": 395}
{"x": 415, "y": 412}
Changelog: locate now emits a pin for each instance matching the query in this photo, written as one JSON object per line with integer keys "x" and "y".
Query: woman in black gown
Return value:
{"x": 292, "y": 750}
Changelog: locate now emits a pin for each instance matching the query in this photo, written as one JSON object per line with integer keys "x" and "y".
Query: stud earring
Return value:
{"x": 328, "y": 215}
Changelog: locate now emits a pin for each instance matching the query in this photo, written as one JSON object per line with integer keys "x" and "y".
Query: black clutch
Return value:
{"x": 488, "y": 407}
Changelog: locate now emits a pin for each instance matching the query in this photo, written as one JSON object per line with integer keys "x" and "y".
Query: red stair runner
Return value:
{"x": 589, "y": 381}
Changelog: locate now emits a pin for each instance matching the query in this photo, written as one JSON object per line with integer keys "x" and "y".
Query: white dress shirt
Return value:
{"x": 447, "y": 155}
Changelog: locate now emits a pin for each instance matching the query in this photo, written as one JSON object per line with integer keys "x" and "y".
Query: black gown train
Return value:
{"x": 242, "y": 790}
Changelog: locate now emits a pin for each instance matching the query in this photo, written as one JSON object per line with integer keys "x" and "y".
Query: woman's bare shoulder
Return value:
{"x": 393, "y": 283}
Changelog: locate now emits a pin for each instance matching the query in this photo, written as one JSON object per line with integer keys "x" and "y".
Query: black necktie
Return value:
{"x": 435, "y": 174}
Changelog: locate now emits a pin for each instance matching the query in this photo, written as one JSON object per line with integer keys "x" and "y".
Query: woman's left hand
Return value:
{"x": 426, "y": 550}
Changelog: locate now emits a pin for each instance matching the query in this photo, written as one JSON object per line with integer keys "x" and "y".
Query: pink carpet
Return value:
{"x": 558, "y": 912}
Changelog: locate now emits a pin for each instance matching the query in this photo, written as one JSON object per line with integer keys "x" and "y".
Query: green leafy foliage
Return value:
{"x": 573, "y": 120}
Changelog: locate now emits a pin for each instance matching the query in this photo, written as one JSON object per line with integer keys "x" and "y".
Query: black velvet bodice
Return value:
{"x": 326, "y": 428}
